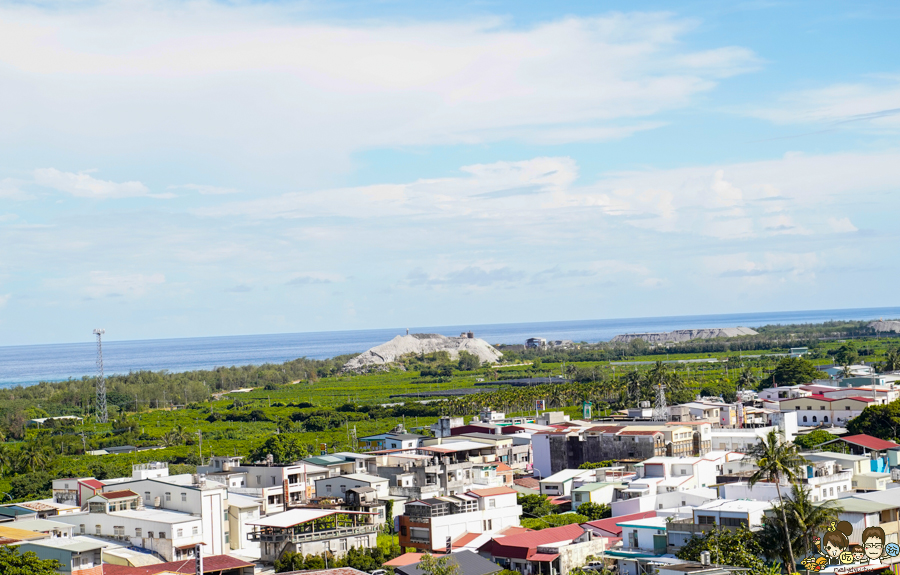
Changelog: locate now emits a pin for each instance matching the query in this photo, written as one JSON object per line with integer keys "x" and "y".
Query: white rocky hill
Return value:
{"x": 882, "y": 325}
{"x": 686, "y": 334}
{"x": 418, "y": 343}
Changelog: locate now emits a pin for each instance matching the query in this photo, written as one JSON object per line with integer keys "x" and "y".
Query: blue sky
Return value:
{"x": 175, "y": 169}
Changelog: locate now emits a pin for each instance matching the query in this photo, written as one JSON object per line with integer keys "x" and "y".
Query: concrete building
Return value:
{"x": 560, "y": 483}
{"x": 75, "y": 557}
{"x": 663, "y": 501}
{"x": 863, "y": 478}
{"x": 313, "y": 532}
{"x": 427, "y": 524}
{"x": 721, "y": 513}
{"x": 817, "y": 408}
{"x": 825, "y": 479}
{"x": 338, "y": 485}
{"x": 552, "y": 551}
{"x": 599, "y": 493}
{"x": 73, "y": 491}
{"x": 391, "y": 440}
{"x": 278, "y": 487}
{"x": 513, "y": 450}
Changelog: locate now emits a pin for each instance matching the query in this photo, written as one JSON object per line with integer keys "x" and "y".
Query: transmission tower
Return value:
{"x": 660, "y": 411}
{"x": 101, "y": 383}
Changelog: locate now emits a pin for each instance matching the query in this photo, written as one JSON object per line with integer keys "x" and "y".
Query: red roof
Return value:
{"x": 492, "y": 491}
{"x": 606, "y": 428}
{"x": 870, "y": 442}
{"x": 118, "y": 494}
{"x": 609, "y": 524}
{"x": 542, "y": 556}
{"x": 524, "y": 545}
{"x": 465, "y": 539}
{"x": 529, "y": 482}
{"x": 211, "y": 564}
{"x": 407, "y": 559}
{"x": 92, "y": 483}
{"x": 640, "y": 432}
{"x": 504, "y": 467}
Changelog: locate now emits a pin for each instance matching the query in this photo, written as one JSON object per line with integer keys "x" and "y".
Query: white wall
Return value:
{"x": 540, "y": 446}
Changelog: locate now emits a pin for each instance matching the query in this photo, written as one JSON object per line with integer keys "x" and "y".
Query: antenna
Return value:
{"x": 101, "y": 383}
{"x": 660, "y": 411}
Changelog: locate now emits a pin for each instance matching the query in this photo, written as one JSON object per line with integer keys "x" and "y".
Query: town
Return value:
{"x": 655, "y": 488}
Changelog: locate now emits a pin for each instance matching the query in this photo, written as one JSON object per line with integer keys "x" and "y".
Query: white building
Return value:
{"x": 560, "y": 484}
{"x": 428, "y": 523}
{"x": 337, "y": 486}
{"x": 663, "y": 501}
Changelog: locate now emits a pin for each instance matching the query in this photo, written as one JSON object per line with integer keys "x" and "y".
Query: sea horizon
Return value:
{"x": 31, "y": 364}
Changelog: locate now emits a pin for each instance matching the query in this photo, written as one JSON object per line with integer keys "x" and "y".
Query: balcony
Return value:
{"x": 825, "y": 479}
{"x": 278, "y": 537}
{"x": 688, "y": 526}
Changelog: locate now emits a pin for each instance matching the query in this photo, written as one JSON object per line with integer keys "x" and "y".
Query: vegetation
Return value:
{"x": 777, "y": 460}
{"x": 736, "y": 548}
{"x": 432, "y": 565}
{"x": 594, "y": 511}
{"x": 815, "y": 439}
{"x": 879, "y": 421}
{"x": 538, "y": 523}
{"x": 12, "y": 562}
{"x": 804, "y": 520}
{"x": 535, "y": 505}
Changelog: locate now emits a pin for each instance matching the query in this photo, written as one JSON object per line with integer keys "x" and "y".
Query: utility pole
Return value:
{"x": 102, "y": 414}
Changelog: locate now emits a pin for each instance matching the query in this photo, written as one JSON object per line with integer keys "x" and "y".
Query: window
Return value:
{"x": 179, "y": 533}
{"x": 150, "y": 535}
{"x": 847, "y": 408}
{"x": 660, "y": 506}
{"x": 162, "y": 534}
{"x": 146, "y": 496}
{"x": 825, "y": 419}
{"x": 808, "y": 408}
{"x": 138, "y": 532}
{"x": 195, "y": 530}
{"x": 733, "y": 522}
{"x": 683, "y": 471}
{"x": 492, "y": 503}
{"x": 227, "y": 537}
{"x": 488, "y": 524}
{"x": 706, "y": 520}
{"x": 259, "y": 479}
{"x": 81, "y": 528}
{"x": 342, "y": 545}
{"x": 98, "y": 529}
{"x": 798, "y": 408}
{"x": 328, "y": 488}
{"x": 804, "y": 419}
{"x": 225, "y": 515}
{"x": 168, "y": 496}
{"x": 831, "y": 491}
{"x": 815, "y": 419}
{"x": 184, "y": 497}
{"x": 76, "y": 562}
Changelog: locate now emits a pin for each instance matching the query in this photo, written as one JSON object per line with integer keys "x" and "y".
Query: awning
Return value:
{"x": 543, "y": 557}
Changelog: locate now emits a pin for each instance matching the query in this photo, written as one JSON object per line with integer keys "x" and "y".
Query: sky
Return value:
{"x": 178, "y": 169}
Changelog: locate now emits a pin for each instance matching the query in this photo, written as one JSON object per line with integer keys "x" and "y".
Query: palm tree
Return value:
{"x": 777, "y": 460}
{"x": 746, "y": 379}
{"x": 33, "y": 456}
{"x": 808, "y": 517}
{"x": 7, "y": 459}
{"x": 891, "y": 360}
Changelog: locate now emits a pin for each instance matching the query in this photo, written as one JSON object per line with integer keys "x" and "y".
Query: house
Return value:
{"x": 863, "y": 478}
{"x": 560, "y": 483}
{"x": 609, "y": 527}
{"x": 877, "y": 508}
{"x": 469, "y": 563}
{"x": 721, "y": 513}
{"x": 50, "y": 528}
{"x": 879, "y": 450}
{"x": 512, "y": 450}
{"x": 423, "y": 475}
{"x": 647, "y": 535}
{"x": 395, "y": 439}
{"x": 313, "y": 532}
{"x": 428, "y": 524}
{"x": 278, "y": 486}
{"x": 818, "y": 408}
{"x": 599, "y": 493}
{"x": 825, "y": 479}
{"x": 74, "y": 491}
{"x": 556, "y": 550}
{"x": 76, "y": 557}
{"x": 212, "y": 565}
{"x": 338, "y": 485}
{"x": 639, "y": 503}
{"x": 189, "y": 494}
{"x": 241, "y": 511}
{"x": 365, "y": 499}
{"x": 10, "y": 534}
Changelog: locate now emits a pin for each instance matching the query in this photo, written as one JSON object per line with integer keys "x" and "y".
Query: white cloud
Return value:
{"x": 83, "y": 185}
{"x": 315, "y": 278}
{"x": 766, "y": 268}
{"x": 4, "y": 299}
{"x": 107, "y": 284}
{"x": 872, "y": 105}
{"x": 841, "y": 225}
{"x": 206, "y": 190}
{"x": 255, "y": 82}
{"x": 10, "y": 190}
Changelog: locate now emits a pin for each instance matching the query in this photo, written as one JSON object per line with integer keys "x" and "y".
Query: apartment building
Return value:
{"x": 313, "y": 532}
{"x": 423, "y": 475}
{"x": 338, "y": 485}
{"x": 817, "y": 409}
{"x": 79, "y": 557}
{"x": 279, "y": 487}
{"x": 427, "y": 524}
{"x": 863, "y": 478}
{"x": 719, "y": 513}
{"x": 556, "y": 550}
{"x": 825, "y": 479}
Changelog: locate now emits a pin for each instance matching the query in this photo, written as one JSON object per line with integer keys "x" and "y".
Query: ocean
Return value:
{"x": 27, "y": 365}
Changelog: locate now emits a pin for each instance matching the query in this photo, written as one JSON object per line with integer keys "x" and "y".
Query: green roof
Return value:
{"x": 595, "y": 485}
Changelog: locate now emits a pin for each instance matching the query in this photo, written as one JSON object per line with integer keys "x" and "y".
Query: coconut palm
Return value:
{"x": 746, "y": 379}
{"x": 777, "y": 460}
{"x": 808, "y": 517}
{"x": 891, "y": 360}
{"x": 33, "y": 456}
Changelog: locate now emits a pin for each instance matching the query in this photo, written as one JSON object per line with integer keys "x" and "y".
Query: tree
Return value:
{"x": 284, "y": 447}
{"x": 806, "y": 518}
{"x": 813, "y": 439}
{"x": 536, "y": 505}
{"x": 447, "y": 565}
{"x": 594, "y": 511}
{"x": 597, "y": 464}
{"x": 794, "y": 371}
{"x": 737, "y": 548}
{"x": 746, "y": 380}
{"x": 777, "y": 460}
{"x": 553, "y": 521}
{"x": 847, "y": 354}
{"x": 14, "y": 563}
{"x": 468, "y": 361}
{"x": 878, "y": 420}
{"x": 891, "y": 359}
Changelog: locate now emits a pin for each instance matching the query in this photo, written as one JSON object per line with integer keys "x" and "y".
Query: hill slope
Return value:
{"x": 418, "y": 343}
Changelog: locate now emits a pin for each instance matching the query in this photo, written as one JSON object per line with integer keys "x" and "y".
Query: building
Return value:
{"x": 599, "y": 493}
{"x": 720, "y": 513}
{"x": 279, "y": 487}
{"x": 609, "y": 527}
{"x": 556, "y": 550}
{"x": 338, "y": 485}
{"x": 366, "y": 499}
{"x": 428, "y": 524}
{"x": 313, "y": 532}
{"x": 877, "y": 508}
{"x": 513, "y": 450}
{"x": 863, "y": 478}
{"x": 880, "y": 451}
{"x": 184, "y": 494}
{"x": 560, "y": 484}
{"x": 76, "y": 557}
{"x": 52, "y": 529}
{"x": 395, "y": 439}
{"x": 469, "y": 562}
{"x": 634, "y": 502}
{"x": 818, "y": 408}
{"x": 241, "y": 511}
{"x": 825, "y": 479}
{"x": 647, "y": 535}
{"x": 74, "y": 491}
{"x": 423, "y": 475}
